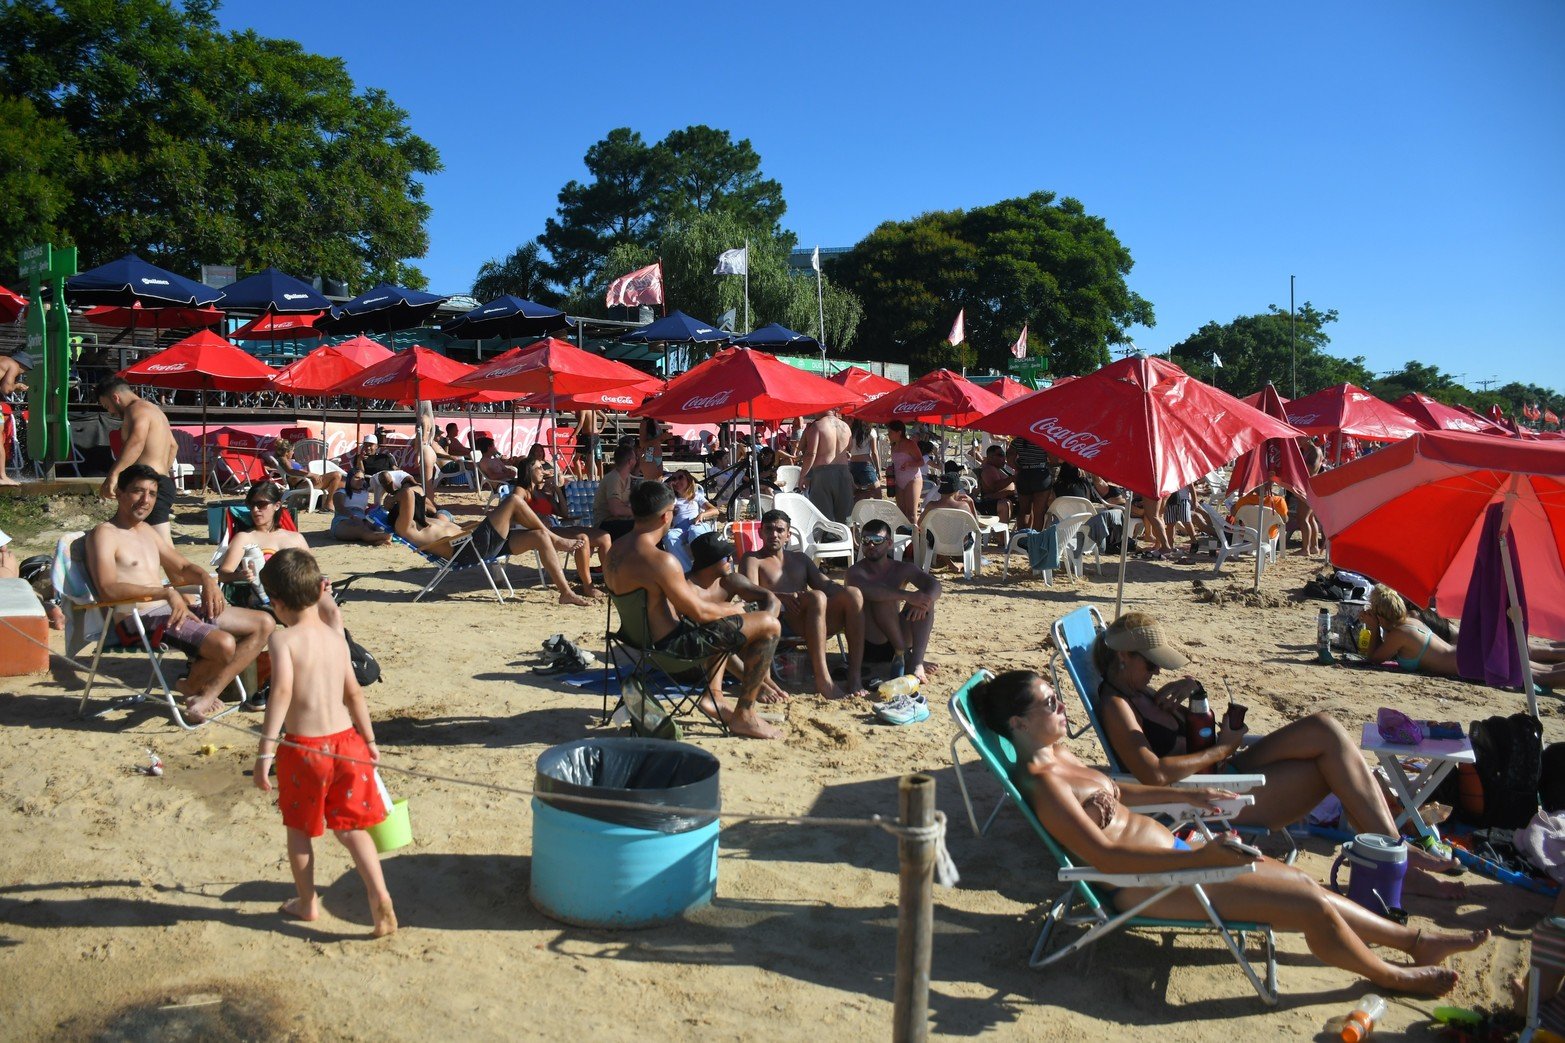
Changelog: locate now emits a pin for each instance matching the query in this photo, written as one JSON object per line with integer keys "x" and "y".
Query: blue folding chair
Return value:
{"x": 464, "y": 555}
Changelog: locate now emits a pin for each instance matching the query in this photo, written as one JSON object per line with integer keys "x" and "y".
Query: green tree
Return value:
{"x": 1418, "y": 378}
{"x": 1031, "y": 260}
{"x": 1256, "y": 349}
{"x": 33, "y": 182}
{"x": 704, "y": 171}
{"x": 194, "y": 145}
{"x": 523, "y": 274}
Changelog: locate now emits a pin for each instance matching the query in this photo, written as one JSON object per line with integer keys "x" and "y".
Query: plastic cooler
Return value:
{"x": 24, "y": 636}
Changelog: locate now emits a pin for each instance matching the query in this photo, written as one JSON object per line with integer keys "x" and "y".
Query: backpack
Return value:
{"x": 365, "y": 666}
{"x": 1501, "y": 788}
{"x": 1551, "y": 780}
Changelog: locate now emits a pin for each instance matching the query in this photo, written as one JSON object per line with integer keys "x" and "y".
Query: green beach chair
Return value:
{"x": 659, "y": 687}
{"x": 1088, "y": 899}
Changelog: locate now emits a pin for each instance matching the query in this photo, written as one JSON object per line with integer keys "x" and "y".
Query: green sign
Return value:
{"x": 49, "y": 342}
{"x": 33, "y": 262}
{"x": 1028, "y": 370}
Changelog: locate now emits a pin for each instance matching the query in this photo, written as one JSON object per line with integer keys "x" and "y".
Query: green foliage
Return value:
{"x": 1256, "y": 349}
{"x": 523, "y": 274}
{"x": 1418, "y": 378}
{"x": 193, "y": 145}
{"x": 1031, "y": 260}
{"x": 37, "y": 151}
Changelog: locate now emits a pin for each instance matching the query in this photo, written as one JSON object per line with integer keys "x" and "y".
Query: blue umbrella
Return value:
{"x": 506, "y": 317}
{"x": 130, "y": 280}
{"x": 384, "y": 309}
{"x": 677, "y": 328}
{"x": 776, "y": 337}
{"x": 270, "y": 290}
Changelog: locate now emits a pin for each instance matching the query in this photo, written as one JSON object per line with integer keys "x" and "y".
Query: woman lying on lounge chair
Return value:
{"x": 511, "y": 528}
{"x": 1091, "y": 818}
{"x": 1303, "y": 761}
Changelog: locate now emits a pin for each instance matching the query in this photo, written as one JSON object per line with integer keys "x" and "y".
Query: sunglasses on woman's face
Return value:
{"x": 258, "y": 504}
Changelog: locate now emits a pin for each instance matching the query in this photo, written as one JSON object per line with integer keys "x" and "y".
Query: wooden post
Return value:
{"x": 915, "y": 911}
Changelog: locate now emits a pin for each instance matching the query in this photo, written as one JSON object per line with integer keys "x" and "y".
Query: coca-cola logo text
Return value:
{"x": 1083, "y": 443}
{"x": 1302, "y": 418}
{"x": 708, "y": 401}
{"x": 911, "y": 408}
{"x": 384, "y": 378}
{"x": 167, "y": 367}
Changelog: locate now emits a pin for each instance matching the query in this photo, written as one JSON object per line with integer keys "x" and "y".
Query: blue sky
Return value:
{"x": 1402, "y": 160}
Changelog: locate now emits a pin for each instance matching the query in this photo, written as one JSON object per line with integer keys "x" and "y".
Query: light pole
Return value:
{"x": 1293, "y": 341}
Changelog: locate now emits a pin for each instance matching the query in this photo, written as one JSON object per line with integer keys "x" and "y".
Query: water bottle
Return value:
{"x": 256, "y": 560}
{"x": 1200, "y": 724}
{"x": 907, "y": 684}
{"x": 1361, "y": 1022}
{"x": 1323, "y": 637}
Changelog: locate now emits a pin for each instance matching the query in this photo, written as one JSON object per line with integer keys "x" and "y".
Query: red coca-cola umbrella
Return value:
{"x": 621, "y": 399}
{"x": 201, "y": 362}
{"x": 272, "y": 326}
{"x": 1277, "y": 458}
{"x": 1437, "y": 416}
{"x": 1142, "y": 423}
{"x": 136, "y": 316}
{"x": 1350, "y": 410}
{"x": 364, "y": 351}
{"x": 870, "y": 385}
{"x": 551, "y": 366}
{"x": 1255, "y": 399}
{"x": 11, "y": 305}
{"x": 1008, "y": 389}
{"x": 941, "y": 397}
{"x": 318, "y": 372}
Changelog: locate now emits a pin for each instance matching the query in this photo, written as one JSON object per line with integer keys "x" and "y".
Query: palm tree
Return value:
{"x": 522, "y": 274}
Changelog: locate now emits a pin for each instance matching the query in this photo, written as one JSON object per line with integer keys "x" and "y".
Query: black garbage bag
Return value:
{"x": 646, "y": 771}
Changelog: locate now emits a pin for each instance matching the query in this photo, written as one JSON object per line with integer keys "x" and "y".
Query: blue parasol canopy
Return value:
{"x": 776, "y": 337}
{"x": 506, "y": 316}
{"x": 270, "y": 290}
{"x": 384, "y": 308}
{"x": 677, "y": 328}
{"x": 130, "y": 280}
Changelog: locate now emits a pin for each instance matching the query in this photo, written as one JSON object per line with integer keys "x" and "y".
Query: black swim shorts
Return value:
{"x": 703, "y": 641}
{"x": 488, "y": 542}
{"x": 165, "y": 502}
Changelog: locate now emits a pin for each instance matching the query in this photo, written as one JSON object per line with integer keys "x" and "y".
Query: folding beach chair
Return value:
{"x": 658, "y": 687}
{"x": 581, "y": 501}
{"x": 90, "y": 620}
{"x": 464, "y": 555}
{"x": 1088, "y": 900}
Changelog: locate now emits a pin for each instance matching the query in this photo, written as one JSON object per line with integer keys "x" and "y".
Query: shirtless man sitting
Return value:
{"x": 897, "y": 620}
{"x": 812, "y": 606}
{"x": 145, "y": 439}
{"x": 512, "y": 527}
{"x": 712, "y": 573}
{"x": 823, "y": 466}
{"x": 684, "y": 623}
{"x": 125, "y": 556}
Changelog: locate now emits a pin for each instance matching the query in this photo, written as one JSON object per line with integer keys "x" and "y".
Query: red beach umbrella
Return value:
{"x": 1437, "y": 416}
{"x": 11, "y": 305}
{"x": 1350, "y": 410}
{"x": 273, "y": 326}
{"x": 1255, "y": 399}
{"x": 364, "y": 351}
{"x": 416, "y": 375}
{"x": 744, "y": 383}
{"x": 204, "y": 362}
{"x": 941, "y": 397}
{"x": 135, "y": 316}
{"x": 1275, "y": 456}
{"x": 1008, "y": 389}
{"x": 551, "y": 366}
{"x": 621, "y": 399}
{"x": 318, "y": 372}
{"x": 870, "y": 385}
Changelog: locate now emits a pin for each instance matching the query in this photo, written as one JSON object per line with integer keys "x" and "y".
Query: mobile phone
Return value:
{"x": 1235, "y": 844}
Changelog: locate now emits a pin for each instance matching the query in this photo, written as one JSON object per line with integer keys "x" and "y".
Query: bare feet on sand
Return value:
{"x": 570, "y": 597}
{"x": 199, "y": 709}
{"x": 7, "y": 480}
{"x": 1432, "y": 947}
{"x": 770, "y": 693}
{"x": 1422, "y": 981}
{"x": 853, "y": 691}
{"x": 385, "y": 918}
{"x": 1427, "y": 885}
{"x": 296, "y": 909}
{"x": 591, "y": 592}
{"x": 748, "y": 724}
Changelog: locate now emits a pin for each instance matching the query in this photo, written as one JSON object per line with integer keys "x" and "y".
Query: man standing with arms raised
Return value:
{"x": 145, "y": 438}
{"x": 823, "y": 466}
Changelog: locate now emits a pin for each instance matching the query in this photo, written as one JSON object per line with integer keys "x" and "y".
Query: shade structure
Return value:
{"x": 11, "y": 305}
{"x": 620, "y": 399}
{"x": 1254, "y": 399}
{"x": 364, "y": 350}
{"x": 272, "y": 326}
{"x": 1278, "y": 458}
{"x": 940, "y": 397}
{"x": 870, "y": 385}
{"x": 202, "y": 361}
{"x": 1437, "y": 416}
{"x": 506, "y": 317}
{"x": 775, "y": 337}
{"x": 1142, "y": 423}
{"x": 1350, "y": 410}
{"x": 1412, "y": 514}
{"x": 130, "y": 280}
{"x": 318, "y": 372}
{"x": 137, "y": 316}
{"x": 1008, "y": 389}
{"x": 386, "y": 308}
{"x": 415, "y": 375}
{"x": 677, "y": 328}
{"x": 550, "y": 366}
{"x": 270, "y": 290}
{"x": 739, "y": 383}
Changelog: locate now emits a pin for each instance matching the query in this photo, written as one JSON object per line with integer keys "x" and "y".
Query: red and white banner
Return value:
{"x": 1019, "y": 349}
{"x": 642, "y": 286}
{"x": 958, "y": 329}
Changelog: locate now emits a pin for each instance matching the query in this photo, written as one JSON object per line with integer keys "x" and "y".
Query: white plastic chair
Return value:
{"x": 888, "y": 512}
{"x": 788, "y": 478}
{"x": 1260, "y": 521}
{"x": 819, "y": 536}
{"x": 953, "y": 532}
{"x": 1238, "y": 539}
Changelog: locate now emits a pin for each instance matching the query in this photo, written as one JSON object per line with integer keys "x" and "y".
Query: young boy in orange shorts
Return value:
{"x": 316, "y": 704}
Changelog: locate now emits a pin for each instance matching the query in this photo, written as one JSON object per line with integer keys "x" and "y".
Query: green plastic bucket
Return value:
{"x": 396, "y": 831}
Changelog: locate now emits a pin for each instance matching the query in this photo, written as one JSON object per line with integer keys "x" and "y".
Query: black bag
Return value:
{"x": 1509, "y": 753}
{"x": 365, "y": 666}
{"x": 1551, "y": 780}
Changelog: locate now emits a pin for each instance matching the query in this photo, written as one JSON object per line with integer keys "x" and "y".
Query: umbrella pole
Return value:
{"x": 510, "y": 447}
{"x": 554, "y": 438}
{"x": 1124, "y": 554}
{"x": 755, "y": 463}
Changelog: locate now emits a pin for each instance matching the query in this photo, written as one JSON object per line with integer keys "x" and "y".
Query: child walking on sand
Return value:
{"x": 317, "y": 705}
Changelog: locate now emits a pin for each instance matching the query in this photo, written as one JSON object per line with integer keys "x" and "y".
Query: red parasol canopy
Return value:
{"x": 739, "y": 382}
{"x": 415, "y": 375}
{"x": 551, "y": 366}
{"x": 1437, "y": 416}
{"x": 621, "y": 399}
{"x": 1255, "y": 399}
{"x": 137, "y": 317}
{"x": 318, "y": 372}
{"x": 272, "y": 326}
{"x": 1140, "y": 422}
{"x": 1275, "y": 457}
{"x": 1350, "y": 410}
{"x": 11, "y": 305}
{"x": 364, "y": 351}
{"x": 939, "y": 397}
{"x": 202, "y": 361}
{"x": 1008, "y": 389}
{"x": 870, "y": 385}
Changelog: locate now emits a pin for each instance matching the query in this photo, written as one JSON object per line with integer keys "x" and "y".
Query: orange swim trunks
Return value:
{"x": 316, "y": 791}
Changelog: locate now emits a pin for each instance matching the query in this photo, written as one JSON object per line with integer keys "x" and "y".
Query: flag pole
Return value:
{"x": 747, "y": 286}
{"x": 820, "y": 304}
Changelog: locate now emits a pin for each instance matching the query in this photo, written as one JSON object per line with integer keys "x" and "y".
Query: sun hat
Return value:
{"x": 1150, "y": 641}
{"x": 708, "y": 549}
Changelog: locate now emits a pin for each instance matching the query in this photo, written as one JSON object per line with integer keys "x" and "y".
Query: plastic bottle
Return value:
{"x": 907, "y": 684}
{"x": 1200, "y": 725}
{"x": 1366, "y": 640}
{"x": 1361, "y": 1022}
{"x": 255, "y": 558}
{"x": 1323, "y": 637}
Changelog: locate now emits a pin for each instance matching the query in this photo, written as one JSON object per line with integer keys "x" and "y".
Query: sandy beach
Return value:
{"x": 140, "y": 907}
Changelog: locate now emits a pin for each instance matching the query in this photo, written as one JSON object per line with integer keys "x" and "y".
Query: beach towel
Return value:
{"x": 1485, "y": 646}
{"x": 1043, "y": 548}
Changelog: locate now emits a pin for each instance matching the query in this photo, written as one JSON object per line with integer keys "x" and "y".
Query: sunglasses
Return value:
{"x": 256, "y": 505}
{"x": 873, "y": 541}
{"x": 1052, "y": 703}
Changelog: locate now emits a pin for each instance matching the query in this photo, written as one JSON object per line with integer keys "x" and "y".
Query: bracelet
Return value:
{"x": 266, "y": 756}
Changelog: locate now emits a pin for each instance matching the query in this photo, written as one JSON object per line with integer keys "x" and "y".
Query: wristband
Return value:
{"x": 266, "y": 756}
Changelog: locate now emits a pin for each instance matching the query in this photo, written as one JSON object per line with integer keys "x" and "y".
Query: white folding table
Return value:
{"x": 1440, "y": 757}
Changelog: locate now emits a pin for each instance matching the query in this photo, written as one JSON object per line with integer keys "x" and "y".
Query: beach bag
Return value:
{"x": 366, "y": 668}
{"x": 1501, "y": 788}
{"x": 1551, "y": 779}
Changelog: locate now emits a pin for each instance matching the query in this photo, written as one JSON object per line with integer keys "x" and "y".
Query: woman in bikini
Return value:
{"x": 511, "y": 528}
{"x": 543, "y": 496}
{"x": 1093, "y": 818}
{"x": 1397, "y": 635}
{"x": 1303, "y": 761}
{"x": 350, "y": 505}
{"x": 264, "y": 500}
{"x": 907, "y": 470}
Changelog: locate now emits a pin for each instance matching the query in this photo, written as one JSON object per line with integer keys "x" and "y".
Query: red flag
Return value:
{"x": 642, "y": 286}
{"x": 1549, "y": 417}
{"x": 1019, "y": 349}
{"x": 1534, "y": 413}
{"x": 958, "y": 329}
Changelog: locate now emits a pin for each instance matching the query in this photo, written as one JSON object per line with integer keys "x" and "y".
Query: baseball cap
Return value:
{"x": 1150, "y": 641}
{"x": 708, "y": 549}
{"x": 24, "y": 359}
{"x": 371, "y": 439}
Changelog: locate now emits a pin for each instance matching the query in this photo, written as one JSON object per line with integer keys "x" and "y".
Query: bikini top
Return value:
{"x": 1162, "y": 738}
{"x": 419, "y": 517}
{"x": 1100, "y": 805}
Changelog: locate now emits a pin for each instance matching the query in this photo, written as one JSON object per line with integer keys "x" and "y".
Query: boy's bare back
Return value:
{"x": 311, "y": 670}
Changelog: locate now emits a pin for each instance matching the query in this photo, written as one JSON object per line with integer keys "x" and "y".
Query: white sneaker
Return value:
{"x": 905, "y": 709}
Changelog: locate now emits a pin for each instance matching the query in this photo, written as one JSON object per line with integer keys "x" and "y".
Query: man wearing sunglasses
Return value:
{"x": 897, "y": 620}
{"x": 813, "y": 607}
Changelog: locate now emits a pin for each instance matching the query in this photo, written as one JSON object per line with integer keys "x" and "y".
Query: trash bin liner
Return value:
{"x": 648, "y": 771}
